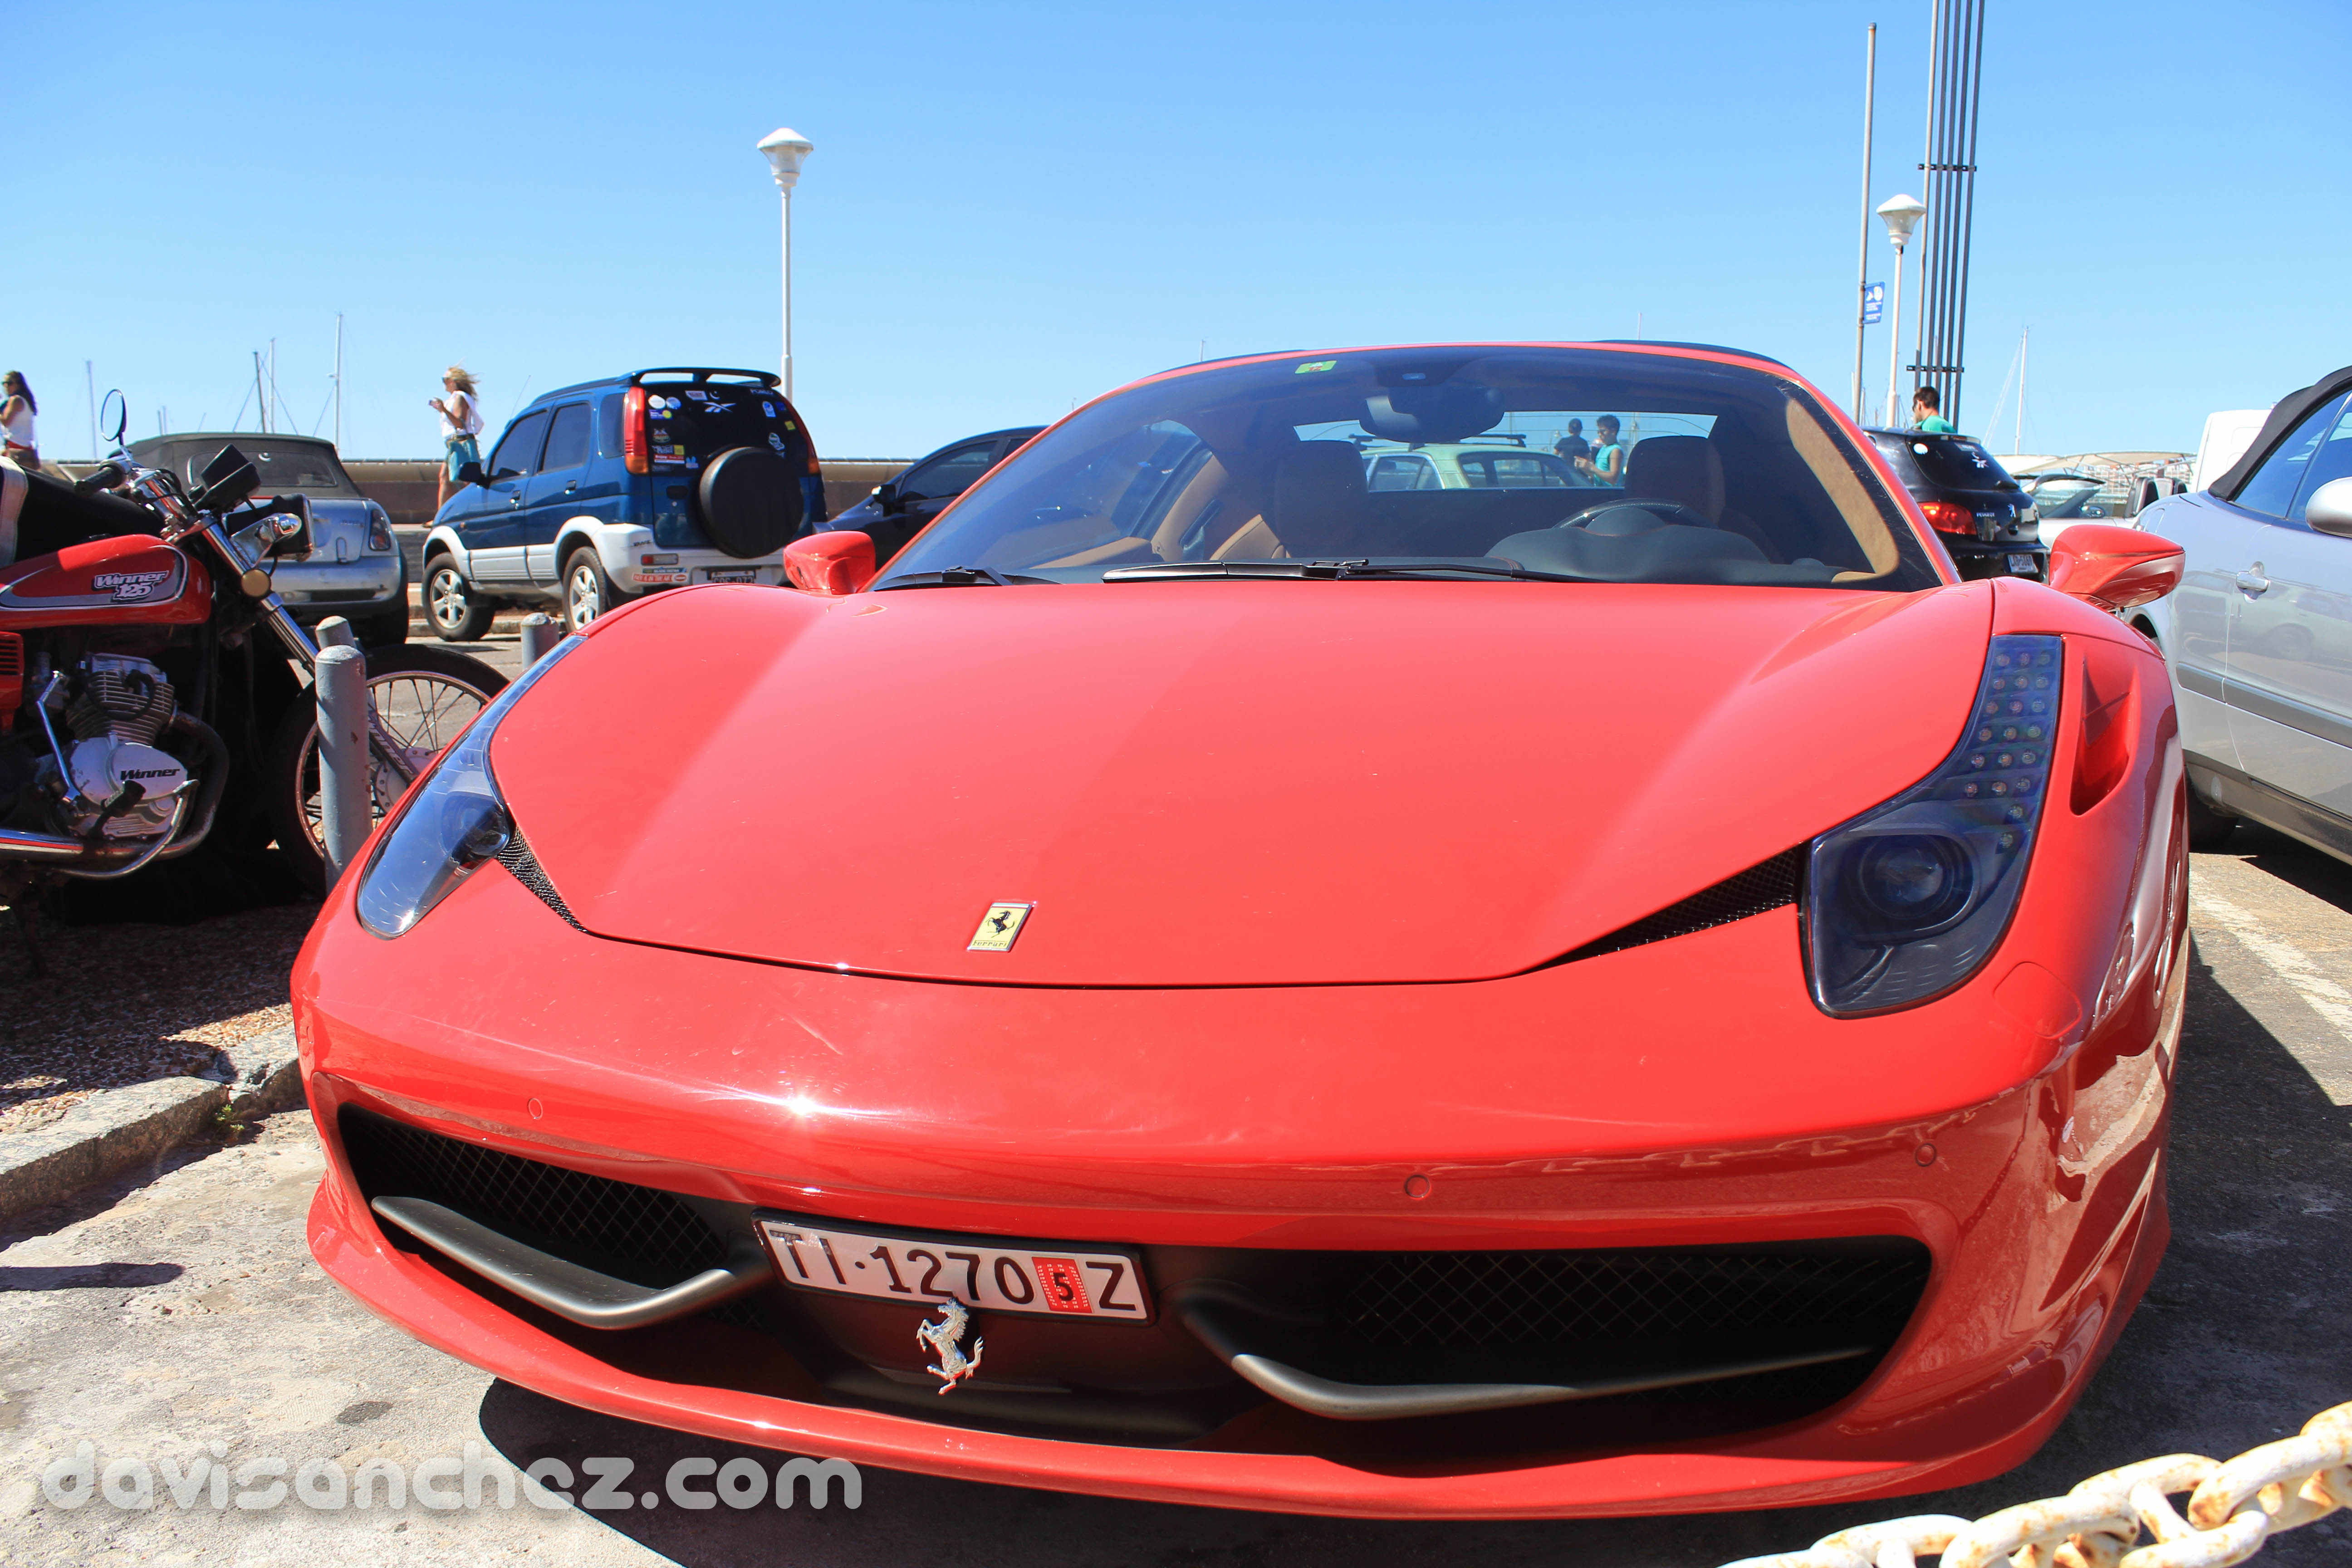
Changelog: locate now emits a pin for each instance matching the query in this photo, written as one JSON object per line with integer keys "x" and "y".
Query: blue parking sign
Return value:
{"x": 1874, "y": 301}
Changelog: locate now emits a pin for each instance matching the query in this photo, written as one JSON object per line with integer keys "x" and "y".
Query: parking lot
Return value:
{"x": 180, "y": 1312}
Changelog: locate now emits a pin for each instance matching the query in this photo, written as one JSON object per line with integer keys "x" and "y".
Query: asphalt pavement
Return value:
{"x": 177, "y": 1313}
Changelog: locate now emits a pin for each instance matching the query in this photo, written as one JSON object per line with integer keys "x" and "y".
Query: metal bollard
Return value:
{"x": 348, "y": 814}
{"x": 539, "y": 634}
{"x": 336, "y": 632}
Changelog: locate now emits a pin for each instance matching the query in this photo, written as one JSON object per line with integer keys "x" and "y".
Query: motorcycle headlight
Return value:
{"x": 455, "y": 822}
{"x": 1910, "y": 899}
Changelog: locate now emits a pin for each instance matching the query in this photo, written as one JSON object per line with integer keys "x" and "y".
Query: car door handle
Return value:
{"x": 2254, "y": 581}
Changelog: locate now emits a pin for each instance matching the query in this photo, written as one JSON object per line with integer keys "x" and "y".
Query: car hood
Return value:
{"x": 1213, "y": 782}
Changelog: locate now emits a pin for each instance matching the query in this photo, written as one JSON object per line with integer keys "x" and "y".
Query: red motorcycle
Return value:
{"x": 139, "y": 713}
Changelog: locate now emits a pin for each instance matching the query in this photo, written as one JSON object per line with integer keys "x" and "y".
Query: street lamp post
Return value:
{"x": 1901, "y": 215}
{"x": 785, "y": 149}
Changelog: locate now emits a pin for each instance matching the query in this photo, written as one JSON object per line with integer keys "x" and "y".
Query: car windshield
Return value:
{"x": 1440, "y": 461}
{"x": 1957, "y": 463}
{"x": 307, "y": 465}
{"x": 2066, "y": 489}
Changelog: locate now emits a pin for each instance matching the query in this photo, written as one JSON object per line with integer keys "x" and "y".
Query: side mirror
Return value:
{"x": 2329, "y": 509}
{"x": 470, "y": 474}
{"x": 112, "y": 415}
{"x": 887, "y": 498}
{"x": 837, "y": 561}
{"x": 2114, "y": 569}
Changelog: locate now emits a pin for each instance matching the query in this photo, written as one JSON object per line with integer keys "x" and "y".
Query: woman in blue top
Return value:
{"x": 1606, "y": 467}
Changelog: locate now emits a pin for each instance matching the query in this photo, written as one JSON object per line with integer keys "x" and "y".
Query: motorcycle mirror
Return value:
{"x": 113, "y": 414}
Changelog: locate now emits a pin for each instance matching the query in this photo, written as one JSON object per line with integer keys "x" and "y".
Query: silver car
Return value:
{"x": 2259, "y": 634}
{"x": 350, "y": 564}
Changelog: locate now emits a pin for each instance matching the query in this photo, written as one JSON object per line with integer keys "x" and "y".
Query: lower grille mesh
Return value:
{"x": 1500, "y": 1301}
{"x": 637, "y": 1232}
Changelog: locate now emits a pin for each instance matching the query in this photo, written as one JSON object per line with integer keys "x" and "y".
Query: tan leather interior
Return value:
{"x": 1846, "y": 492}
{"x": 1688, "y": 471}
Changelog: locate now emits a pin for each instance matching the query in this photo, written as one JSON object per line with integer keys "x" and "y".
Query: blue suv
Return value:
{"x": 597, "y": 493}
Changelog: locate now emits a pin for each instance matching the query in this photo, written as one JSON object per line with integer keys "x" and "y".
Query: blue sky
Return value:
{"x": 1012, "y": 208}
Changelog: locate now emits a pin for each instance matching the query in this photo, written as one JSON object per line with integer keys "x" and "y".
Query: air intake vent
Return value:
{"x": 1751, "y": 892}
{"x": 518, "y": 858}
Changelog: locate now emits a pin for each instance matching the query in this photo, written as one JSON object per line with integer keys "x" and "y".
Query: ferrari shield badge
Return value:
{"x": 944, "y": 1340}
{"x": 998, "y": 927}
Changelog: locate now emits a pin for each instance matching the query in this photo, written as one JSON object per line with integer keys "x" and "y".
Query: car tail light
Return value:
{"x": 633, "y": 454}
{"x": 12, "y": 678}
{"x": 1908, "y": 899}
{"x": 1950, "y": 517}
{"x": 379, "y": 534}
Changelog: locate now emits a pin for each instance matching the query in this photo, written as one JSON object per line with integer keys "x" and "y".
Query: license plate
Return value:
{"x": 732, "y": 574}
{"x": 981, "y": 1272}
{"x": 2021, "y": 565}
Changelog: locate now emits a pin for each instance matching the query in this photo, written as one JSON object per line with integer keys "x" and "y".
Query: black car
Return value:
{"x": 902, "y": 508}
{"x": 1985, "y": 520}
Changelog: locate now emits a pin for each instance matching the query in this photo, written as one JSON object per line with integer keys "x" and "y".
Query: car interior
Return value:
{"x": 1195, "y": 468}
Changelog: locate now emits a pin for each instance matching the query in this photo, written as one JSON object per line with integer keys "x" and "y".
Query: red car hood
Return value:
{"x": 1214, "y": 784}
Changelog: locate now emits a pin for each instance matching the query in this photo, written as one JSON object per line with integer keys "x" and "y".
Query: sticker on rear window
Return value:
{"x": 1315, "y": 365}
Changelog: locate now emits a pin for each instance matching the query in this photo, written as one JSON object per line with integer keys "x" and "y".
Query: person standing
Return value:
{"x": 1573, "y": 444}
{"x": 1926, "y": 412}
{"x": 16, "y": 410}
{"x": 1606, "y": 467}
{"x": 461, "y": 421}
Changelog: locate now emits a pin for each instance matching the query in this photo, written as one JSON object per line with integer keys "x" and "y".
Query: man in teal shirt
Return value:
{"x": 1924, "y": 415}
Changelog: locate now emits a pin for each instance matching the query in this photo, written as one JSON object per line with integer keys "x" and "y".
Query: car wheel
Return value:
{"x": 457, "y": 612}
{"x": 587, "y": 592}
{"x": 2209, "y": 828}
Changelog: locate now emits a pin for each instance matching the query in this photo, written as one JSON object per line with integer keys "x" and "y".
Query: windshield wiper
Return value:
{"x": 1356, "y": 568}
{"x": 958, "y": 577}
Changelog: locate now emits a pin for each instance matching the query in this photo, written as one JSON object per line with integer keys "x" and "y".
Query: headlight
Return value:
{"x": 455, "y": 822}
{"x": 1910, "y": 899}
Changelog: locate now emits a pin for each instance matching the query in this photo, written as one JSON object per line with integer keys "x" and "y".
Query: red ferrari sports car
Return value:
{"x": 1253, "y": 966}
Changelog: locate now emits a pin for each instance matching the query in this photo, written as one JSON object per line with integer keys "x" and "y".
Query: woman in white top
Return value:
{"x": 16, "y": 410}
{"x": 461, "y": 421}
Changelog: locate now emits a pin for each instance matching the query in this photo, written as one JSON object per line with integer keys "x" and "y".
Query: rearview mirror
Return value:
{"x": 2113, "y": 568}
{"x": 470, "y": 473}
{"x": 2329, "y": 509}
{"x": 837, "y": 561}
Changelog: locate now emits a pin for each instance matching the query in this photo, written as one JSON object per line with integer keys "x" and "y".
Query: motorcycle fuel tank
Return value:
{"x": 134, "y": 580}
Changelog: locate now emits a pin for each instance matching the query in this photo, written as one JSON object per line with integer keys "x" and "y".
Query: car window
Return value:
{"x": 567, "y": 438}
{"x": 1408, "y": 471}
{"x": 282, "y": 465}
{"x": 2331, "y": 460}
{"x": 1269, "y": 460}
{"x": 1515, "y": 471}
{"x": 518, "y": 450}
{"x": 951, "y": 473}
{"x": 2272, "y": 487}
{"x": 608, "y": 427}
{"x": 687, "y": 426}
{"x": 1957, "y": 463}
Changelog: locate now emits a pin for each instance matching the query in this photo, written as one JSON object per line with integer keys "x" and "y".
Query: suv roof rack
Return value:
{"x": 704, "y": 373}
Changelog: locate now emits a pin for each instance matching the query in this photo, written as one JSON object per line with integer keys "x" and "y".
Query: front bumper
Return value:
{"x": 370, "y": 585}
{"x": 1609, "y": 1105}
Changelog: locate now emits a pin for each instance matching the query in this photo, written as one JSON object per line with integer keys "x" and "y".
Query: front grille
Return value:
{"x": 1750, "y": 892}
{"x": 1496, "y": 1301}
{"x": 639, "y": 1234}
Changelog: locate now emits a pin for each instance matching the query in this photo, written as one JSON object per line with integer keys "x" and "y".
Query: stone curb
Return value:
{"x": 119, "y": 1129}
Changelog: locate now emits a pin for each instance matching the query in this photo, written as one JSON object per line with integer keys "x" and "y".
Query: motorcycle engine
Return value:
{"x": 118, "y": 707}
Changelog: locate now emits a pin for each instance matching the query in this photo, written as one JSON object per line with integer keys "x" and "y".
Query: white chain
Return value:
{"x": 2233, "y": 1508}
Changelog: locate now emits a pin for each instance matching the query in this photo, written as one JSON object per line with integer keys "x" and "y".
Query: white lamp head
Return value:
{"x": 1901, "y": 215}
{"x": 785, "y": 149}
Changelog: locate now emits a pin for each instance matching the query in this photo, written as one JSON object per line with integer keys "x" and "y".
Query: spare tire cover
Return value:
{"x": 749, "y": 501}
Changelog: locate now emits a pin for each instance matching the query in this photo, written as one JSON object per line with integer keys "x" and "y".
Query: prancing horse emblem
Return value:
{"x": 942, "y": 1337}
{"x": 998, "y": 927}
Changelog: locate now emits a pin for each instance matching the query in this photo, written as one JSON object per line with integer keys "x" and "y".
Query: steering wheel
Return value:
{"x": 1665, "y": 511}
